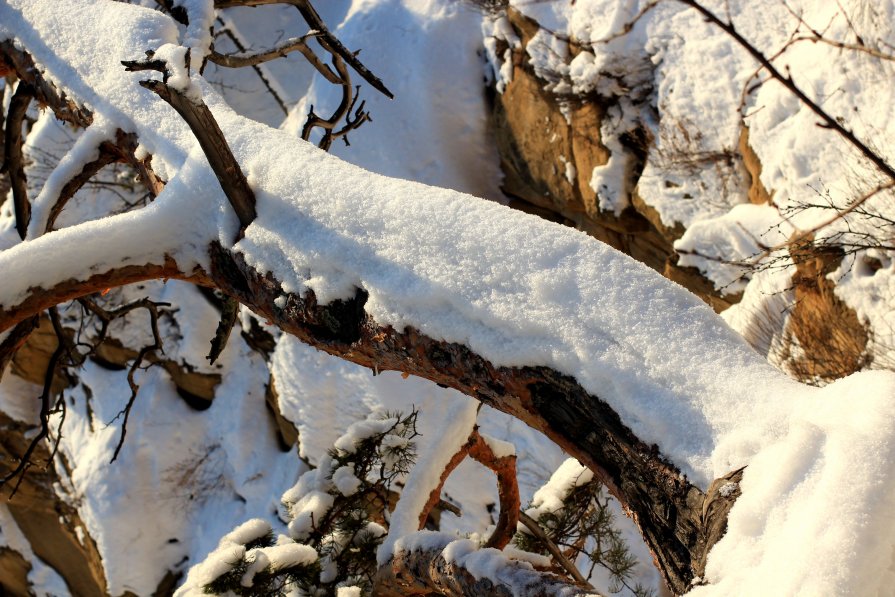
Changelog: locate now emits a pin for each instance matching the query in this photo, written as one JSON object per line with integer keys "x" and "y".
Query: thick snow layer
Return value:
{"x": 432, "y": 459}
{"x": 517, "y": 290}
{"x": 550, "y": 497}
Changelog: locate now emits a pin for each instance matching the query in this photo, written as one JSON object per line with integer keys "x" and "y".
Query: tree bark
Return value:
{"x": 425, "y": 571}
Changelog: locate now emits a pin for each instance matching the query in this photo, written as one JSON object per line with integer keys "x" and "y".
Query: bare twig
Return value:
{"x": 324, "y": 37}
{"x": 255, "y": 67}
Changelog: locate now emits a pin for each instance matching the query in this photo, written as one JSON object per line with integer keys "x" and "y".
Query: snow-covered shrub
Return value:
{"x": 575, "y": 514}
{"x": 337, "y": 516}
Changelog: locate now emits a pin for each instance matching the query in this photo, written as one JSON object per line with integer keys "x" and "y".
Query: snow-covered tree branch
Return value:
{"x": 702, "y": 441}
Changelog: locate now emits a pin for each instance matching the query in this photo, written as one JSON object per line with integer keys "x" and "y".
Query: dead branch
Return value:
{"x": 211, "y": 138}
{"x": 256, "y": 68}
{"x": 291, "y": 45}
{"x": 349, "y": 99}
{"x": 532, "y": 525}
{"x": 14, "y": 160}
{"x": 325, "y": 38}
{"x": 229, "y": 315}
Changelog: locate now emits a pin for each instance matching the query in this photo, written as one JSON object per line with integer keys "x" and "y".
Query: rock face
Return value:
{"x": 549, "y": 145}
{"x": 50, "y": 524}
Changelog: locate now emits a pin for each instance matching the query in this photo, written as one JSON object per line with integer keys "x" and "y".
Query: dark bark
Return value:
{"x": 14, "y": 160}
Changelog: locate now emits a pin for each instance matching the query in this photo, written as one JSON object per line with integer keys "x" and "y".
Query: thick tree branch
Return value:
{"x": 424, "y": 569}
{"x": 679, "y": 523}
{"x": 40, "y": 299}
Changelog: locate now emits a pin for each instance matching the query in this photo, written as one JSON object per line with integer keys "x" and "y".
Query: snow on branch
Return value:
{"x": 648, "y": 388}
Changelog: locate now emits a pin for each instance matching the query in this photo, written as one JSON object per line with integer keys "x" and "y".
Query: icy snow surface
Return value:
{"x": 815, "y": 514}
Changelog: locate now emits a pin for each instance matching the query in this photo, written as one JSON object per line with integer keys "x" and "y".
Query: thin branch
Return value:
{"x": 74, "y": 185}
{"x": 211, "y": 138}
{"x": 14, "y": 160}
{"x": 257, "y": 68}
{"x": 325, "y": 38}
{"x": 291, "y": 45}
{"x": 45, "y": 395}
{"x": 532, "y": 525}
{"x": 508, "y": 489}
{"x": 827, "y": 121}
